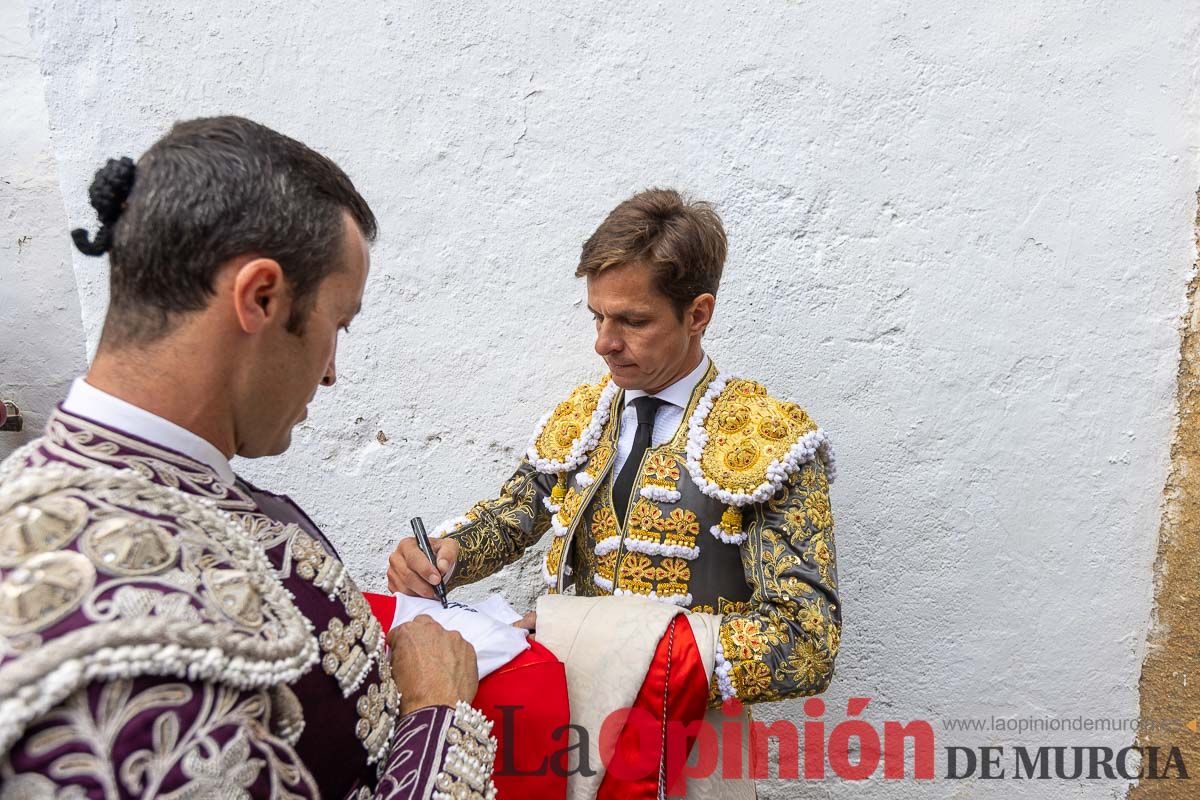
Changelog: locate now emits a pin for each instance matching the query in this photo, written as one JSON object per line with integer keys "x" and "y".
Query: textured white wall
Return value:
{"x": 41, "y": 335}
{"x": 959, "y": 236}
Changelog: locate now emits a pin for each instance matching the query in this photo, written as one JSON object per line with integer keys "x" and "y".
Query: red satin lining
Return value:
{"x": 534, "y": 681}
{"x": 676, "y": 675}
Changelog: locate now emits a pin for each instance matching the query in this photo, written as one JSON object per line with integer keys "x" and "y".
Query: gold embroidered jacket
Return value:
{"x": 731, "y": 516}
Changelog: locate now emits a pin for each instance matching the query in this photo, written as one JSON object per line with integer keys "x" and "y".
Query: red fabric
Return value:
{"x": 632, "y": 771}
{"x": 535, "y": 682}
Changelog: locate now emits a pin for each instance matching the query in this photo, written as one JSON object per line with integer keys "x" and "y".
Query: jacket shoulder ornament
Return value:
{"x": 743, "y": 445}
{"x": 106, "y": 575}
{"x": 569, "y": 433}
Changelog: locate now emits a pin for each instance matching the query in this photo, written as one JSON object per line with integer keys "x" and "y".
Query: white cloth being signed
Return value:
{"x": 487, "y": 626}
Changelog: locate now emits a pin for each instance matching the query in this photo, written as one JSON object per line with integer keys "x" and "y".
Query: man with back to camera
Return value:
{"x": 669, "y": 479}
{"x": 167, "y": 629}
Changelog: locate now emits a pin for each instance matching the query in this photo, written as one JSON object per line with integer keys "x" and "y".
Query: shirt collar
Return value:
{"x": 85, "y": 400}
{"x": 678, "y": 393}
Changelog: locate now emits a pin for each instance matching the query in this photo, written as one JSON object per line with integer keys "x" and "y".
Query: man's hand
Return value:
{"x": 431, "y": 665}
{"x": 409, "y": 571}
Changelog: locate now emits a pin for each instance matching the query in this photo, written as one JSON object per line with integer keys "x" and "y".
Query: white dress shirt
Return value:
{"x": 85, "y": 400}
{"x": 666, "y": 421}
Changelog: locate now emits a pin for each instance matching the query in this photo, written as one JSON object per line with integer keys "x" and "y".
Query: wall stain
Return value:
{"x": 1170, "y": 682}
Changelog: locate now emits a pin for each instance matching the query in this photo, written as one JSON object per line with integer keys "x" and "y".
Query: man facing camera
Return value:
{"x": 668, "y": 478}
{"x": 166, "y": 628}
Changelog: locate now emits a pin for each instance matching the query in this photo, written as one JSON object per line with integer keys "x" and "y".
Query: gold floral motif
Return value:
{"x": 661, "y": 469}
{"x": 682, "y": 524}
{"x": 565, "y": 433}
{"x": 636, "y": 571}
{"x": 605, "y": 565}
{"x": 675, "y": 570}
{"x": 751, "y": 678}
{"x": 732, "y": 418}
{"x": 774, "y": 428}
{"x": 44, "y": 589}
{"x": 816, "y": 508}
{"x": 41, "y": 525}
{"x": 598, "y": 459}
{"x": 747, "y": 388}
{"x": 703, "y": 608}
{"x": 645, "y": 515}
{"x": 604, "y": 523}
{"x": 129, "y": 545}
{"x": 810, "y": 617}
{"x": 742, "y": 456}
{"x": 743, "y": 639}
{"x": 805, "y": 664}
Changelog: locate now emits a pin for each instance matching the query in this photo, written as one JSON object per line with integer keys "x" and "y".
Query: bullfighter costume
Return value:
{"x": 169, "y": 630}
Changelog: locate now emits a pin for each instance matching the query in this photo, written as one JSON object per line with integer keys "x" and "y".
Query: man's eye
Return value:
{"x": 346, "y": 328}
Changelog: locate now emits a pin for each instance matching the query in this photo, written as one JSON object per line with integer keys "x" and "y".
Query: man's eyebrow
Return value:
{"x": 624, "y": 316}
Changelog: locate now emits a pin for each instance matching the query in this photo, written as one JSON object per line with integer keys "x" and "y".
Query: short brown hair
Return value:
{"x": 682, "y": 241}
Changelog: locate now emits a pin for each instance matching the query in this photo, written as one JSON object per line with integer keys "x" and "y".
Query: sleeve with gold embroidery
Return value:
{"x": 785, "y": 646}
{"x": 495, "y": 533}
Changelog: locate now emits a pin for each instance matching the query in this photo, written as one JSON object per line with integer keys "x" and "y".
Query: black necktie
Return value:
{"x": 646, "y": 408}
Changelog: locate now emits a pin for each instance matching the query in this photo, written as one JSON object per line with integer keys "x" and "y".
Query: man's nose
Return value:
{"x": 330, "y": 377}
{"x": 606, "y": 342}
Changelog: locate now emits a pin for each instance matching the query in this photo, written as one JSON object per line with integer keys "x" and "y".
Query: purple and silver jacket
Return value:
{"x": 164, "y": 634}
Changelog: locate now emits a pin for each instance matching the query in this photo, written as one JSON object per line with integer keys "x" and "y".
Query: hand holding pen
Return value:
{"x": 413, "y": 572}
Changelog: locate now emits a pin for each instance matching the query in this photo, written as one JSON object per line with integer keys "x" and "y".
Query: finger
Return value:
{"x": 414, "y": 586}
{"x": 420, "y": 565}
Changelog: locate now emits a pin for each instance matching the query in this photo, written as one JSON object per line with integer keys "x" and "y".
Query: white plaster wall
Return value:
{"x": 960, "y": 236}
{"x": 41, "y": 334}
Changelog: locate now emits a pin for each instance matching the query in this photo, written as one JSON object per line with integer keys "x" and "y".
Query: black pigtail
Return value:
{"x": 108, "y": 193}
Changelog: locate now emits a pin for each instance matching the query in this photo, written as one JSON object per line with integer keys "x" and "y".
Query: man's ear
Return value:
{"x": 260, "y": 294}
{"x": 700, "y": 313}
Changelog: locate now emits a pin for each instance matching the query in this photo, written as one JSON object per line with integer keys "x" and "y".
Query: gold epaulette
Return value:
{"x": 567, "y": 434}
{"x": 743, "y": 444}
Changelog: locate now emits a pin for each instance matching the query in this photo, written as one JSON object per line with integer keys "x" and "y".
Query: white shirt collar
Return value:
{"x": 678, "y": 393}
{"x": 85, "y": 400}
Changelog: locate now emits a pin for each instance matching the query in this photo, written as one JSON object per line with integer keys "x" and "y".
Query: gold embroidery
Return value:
{"x": 554, "y": 554}
{"x": 725, "y": 606}
{"x": 636, "y": 572}
{"x": 645, "y": 515}
{"x": 748, "y": 430}
{"x": 570, "y": 506}
{"x": 662, "y": 470}
{"x": 605, "y": 565}
{"x": 568, "y": 420}
{"x": 604, "y": 523}
{"x": 743, "y": 639}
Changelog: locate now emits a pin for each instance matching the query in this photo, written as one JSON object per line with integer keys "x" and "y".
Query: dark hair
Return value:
{"x": 211, "y": 190}
{"x": 681, "y": 240}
